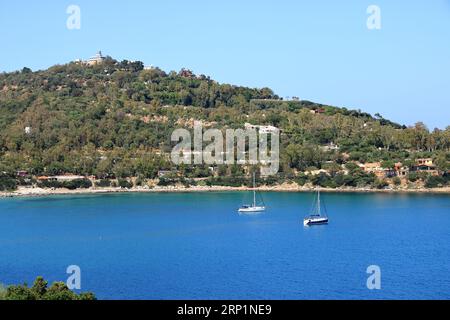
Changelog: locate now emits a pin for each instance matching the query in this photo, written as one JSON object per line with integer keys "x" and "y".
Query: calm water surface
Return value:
{"x": 196, "y": 246}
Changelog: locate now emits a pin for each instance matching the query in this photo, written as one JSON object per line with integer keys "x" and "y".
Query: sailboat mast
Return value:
{"x": 254, "y": 190}
{"x": 318, "y": 202}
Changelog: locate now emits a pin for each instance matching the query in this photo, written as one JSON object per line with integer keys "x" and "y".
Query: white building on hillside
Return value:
{"x": 262, "y": 129}
{"x": 97, "y": 59}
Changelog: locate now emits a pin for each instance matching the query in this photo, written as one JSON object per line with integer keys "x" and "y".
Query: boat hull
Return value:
{"x": 314, "y": 221}
{"x": 251, "y": 210}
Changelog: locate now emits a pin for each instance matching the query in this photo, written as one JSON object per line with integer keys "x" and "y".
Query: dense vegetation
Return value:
{"x": 114, "y": 121}
{"x": 41, "y": 291}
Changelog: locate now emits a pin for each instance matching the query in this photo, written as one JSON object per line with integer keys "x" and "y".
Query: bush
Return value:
{"x": 301, "y": 180}
{"x": 139, "y": 181}
{"x": 270, "y": 181}
{"x": 202, "y": 183}
{"x": 413, "y": 177}
{"x": 356, "y": 178}
{"x": 435, "y": 182}
{"x": 229, "y": 181}
{"x": 7, "y": 183}
{"x": 25, "y": 181}
{"x": 381, "y": 184}
{"x": 77, "y": 184}
{"x": 103, "y": 183}
{"x": 187, "y": 183}
{"x": 71, "y": 185}
{"x": 164, "y": 182}
{"x": 124, "y": 183}
{"x": 351, "y": 166}
{"x": 397, "y": 181}
{"x": 323, "y": 180}
{"x": 366, "y": 179}
{"x": 50, "y": 184}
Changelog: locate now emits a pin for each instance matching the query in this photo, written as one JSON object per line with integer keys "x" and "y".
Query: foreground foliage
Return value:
{"x": 41, "y": 291}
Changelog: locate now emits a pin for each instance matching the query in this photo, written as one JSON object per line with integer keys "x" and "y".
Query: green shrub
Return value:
{"x": 435, "y": 182}
{"x": 323, "y": 180}
{"x": 187, "y": 183}
{"x": 351, "y": 166}
{"x": 301, "y": 179}
{"x": 103, "y": 183}
{"x": 20, "y": 292}
{"x": 7, "y": 183}
{"x": 21, "y": 181}
{"x": 381, "y": 184}
{"x": 413, "y": 177}
{"x": 50, "y": 184}
{"x": 124, "y": 183}
{"x": 164, "y": 182}
{"x": 77, "y": 184}
{"x": 271, "y": 181}
{"x": 140, "y": 181}
{"x": 229, "y": 181}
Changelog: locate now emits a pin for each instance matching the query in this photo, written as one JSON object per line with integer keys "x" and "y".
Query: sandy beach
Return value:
{"x": 32, "y": 192}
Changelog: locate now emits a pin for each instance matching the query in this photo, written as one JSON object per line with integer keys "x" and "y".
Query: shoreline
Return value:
{"x": 39, "y": 192}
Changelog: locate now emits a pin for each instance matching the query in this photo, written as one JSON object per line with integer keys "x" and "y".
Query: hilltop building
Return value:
{"x": 97, "y": 59}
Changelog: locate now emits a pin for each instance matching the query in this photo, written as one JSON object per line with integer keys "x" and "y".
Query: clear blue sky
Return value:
{"x": 316, "y": 50}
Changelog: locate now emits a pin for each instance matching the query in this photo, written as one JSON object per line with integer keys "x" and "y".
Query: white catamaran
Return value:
{"x": 254, "y": 208}
{"x": 317, "y": 216}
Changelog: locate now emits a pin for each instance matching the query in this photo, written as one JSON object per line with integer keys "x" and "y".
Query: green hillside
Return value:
{"x": 114, "y": 121}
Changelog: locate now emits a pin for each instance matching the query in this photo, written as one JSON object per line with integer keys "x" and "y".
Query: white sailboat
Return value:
{"x": 254, "y": 208}
{"x": 317, "y": 216}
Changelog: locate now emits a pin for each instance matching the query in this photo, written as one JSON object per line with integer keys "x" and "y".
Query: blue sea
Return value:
{"x": 196, "y": 246}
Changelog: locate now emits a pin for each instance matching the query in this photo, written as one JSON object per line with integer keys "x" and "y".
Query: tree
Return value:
{"x": 7, "y": 182}
{"x": 388, "y": 164}
{"x": 420, "y": 136}
{"x": 59, "y": 291}
{"x": 40, "y": 291}
{"x": 435, "y": 182}
{"x": 39, "y": 287}
{"x": 442, "y": 161}
{"x": 19, "y": 292}
{"x": 351, "y": 166}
